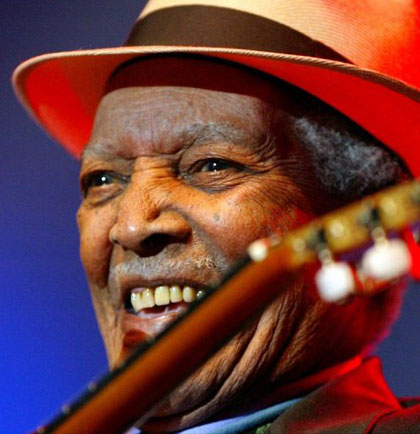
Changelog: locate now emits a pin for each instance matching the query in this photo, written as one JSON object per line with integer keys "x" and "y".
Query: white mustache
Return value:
{"x": 134, "y": 266}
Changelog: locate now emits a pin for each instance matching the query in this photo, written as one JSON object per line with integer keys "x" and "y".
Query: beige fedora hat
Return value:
{"x": 360, "y": 56}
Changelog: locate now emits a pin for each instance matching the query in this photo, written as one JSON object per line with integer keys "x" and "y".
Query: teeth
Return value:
{"x": 136, "y": 301}
{"x": 162, "y": 296}
{"x": 188, "y": 294}
{"x": 148, "y": 298}
{"x": 175, "y": 294}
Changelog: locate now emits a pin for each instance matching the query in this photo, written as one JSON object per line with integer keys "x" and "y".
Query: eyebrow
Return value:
{"x": 195, "y": 134}
{"x": 212, "y": 131}
{"x": 84, "y": 154}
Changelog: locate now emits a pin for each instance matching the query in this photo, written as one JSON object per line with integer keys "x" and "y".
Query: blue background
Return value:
{"x": 49, "y": 342}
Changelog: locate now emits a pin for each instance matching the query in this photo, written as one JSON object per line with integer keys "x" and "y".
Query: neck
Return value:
{"x": 257, "y": 401}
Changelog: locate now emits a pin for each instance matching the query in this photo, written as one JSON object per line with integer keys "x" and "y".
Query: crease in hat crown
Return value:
{"x": 356, "y": 29}
{"x": 379, "y": 91}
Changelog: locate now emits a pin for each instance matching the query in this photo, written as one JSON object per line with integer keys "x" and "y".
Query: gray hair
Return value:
{"x": 347, "y": 161}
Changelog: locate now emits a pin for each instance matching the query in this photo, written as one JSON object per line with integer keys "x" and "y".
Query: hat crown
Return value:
{"x": 382, "y": 35}
{"x": 347, "y": 53}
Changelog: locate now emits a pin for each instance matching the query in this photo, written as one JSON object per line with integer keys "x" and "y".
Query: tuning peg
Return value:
{"x": 386, "y": 260}
{"x": 258, "y": 250}
{"x": 334, "y": 280}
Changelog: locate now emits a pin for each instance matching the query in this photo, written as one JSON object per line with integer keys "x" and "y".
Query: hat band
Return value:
{"x": 209, "y": 26}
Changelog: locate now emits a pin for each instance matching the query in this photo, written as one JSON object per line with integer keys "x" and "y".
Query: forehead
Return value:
{"x": 162, "y": 103}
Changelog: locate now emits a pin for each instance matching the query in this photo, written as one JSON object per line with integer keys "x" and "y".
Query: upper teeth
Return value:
{"x": 162, "y": 295}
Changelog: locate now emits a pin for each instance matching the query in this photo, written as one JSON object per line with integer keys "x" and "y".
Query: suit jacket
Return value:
{"x": 357, "y": 402}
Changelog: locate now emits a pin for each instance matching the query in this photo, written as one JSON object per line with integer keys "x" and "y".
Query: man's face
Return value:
{"x": 178, "y": 181}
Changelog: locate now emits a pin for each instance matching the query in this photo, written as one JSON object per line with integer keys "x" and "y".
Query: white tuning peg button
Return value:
{"x": 386, "y": 260}
{"x": 335, "y": 281}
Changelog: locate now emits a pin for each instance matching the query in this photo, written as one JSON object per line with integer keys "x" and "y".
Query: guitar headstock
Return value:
{"x": 360, "y": 247}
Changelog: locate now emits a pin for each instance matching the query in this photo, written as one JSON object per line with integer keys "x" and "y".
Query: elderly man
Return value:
{"x": 198, "y": 148}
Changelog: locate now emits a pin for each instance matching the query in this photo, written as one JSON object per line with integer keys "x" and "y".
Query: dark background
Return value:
{"x": 49, "y": 343}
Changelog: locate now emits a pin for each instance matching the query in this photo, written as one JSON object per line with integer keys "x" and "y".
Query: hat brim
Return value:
{"x": 62, "y": 91}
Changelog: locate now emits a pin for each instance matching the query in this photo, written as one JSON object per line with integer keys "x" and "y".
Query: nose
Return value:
{"x": 147, "y": 222}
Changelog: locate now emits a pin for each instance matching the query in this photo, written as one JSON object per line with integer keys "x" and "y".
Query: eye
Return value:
{"x": 217, "y": 165}
{"x": 100, "y": 179}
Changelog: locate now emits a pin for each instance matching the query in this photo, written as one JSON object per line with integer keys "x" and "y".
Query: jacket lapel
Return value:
{"x": 348, "y": 404}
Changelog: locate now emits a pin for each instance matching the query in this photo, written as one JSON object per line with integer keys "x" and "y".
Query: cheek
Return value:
{"x": 236, "y": 218}
{"x": 95, "y": 248}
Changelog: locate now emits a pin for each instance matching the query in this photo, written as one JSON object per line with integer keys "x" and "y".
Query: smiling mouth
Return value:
{"x": 147, "y": 302}
{"x": 149, "y": 310}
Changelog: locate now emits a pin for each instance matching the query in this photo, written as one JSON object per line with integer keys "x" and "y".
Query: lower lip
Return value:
{"x": 147, "y": 323}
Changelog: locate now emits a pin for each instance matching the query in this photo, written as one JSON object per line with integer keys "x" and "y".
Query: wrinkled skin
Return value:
{"x": 196, "y": 174}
